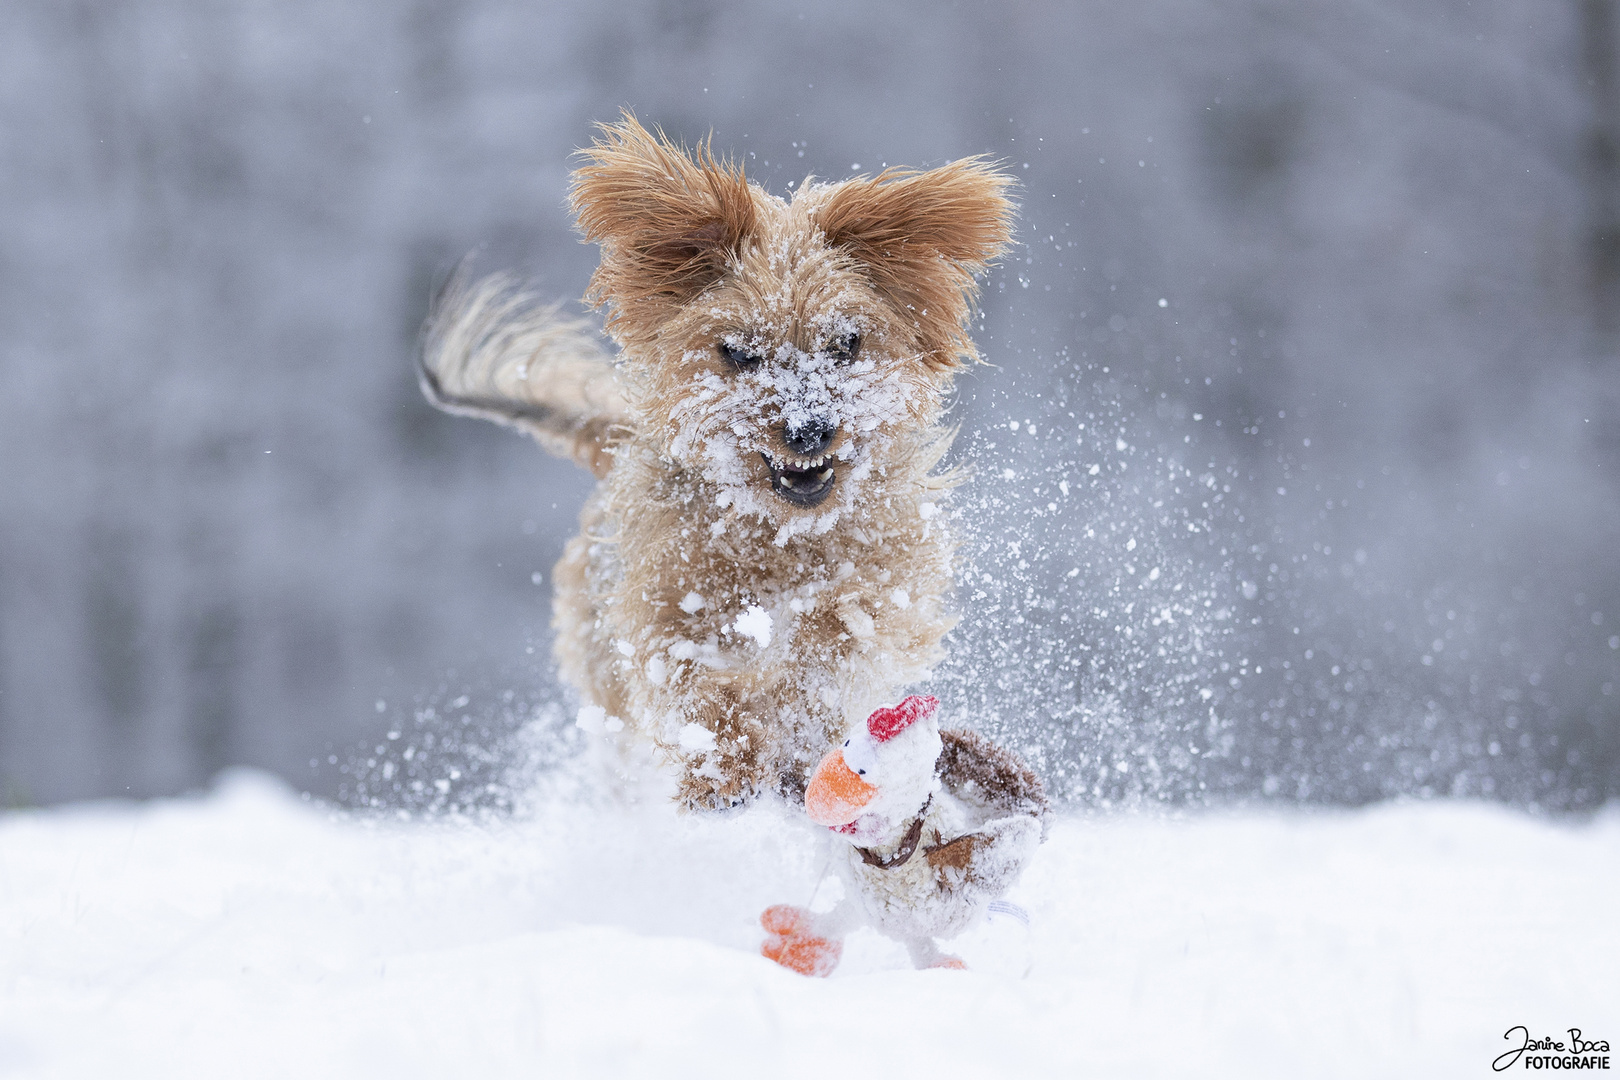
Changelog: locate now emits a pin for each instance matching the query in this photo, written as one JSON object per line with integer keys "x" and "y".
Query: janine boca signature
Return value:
{"x": 1550, "y": 1053}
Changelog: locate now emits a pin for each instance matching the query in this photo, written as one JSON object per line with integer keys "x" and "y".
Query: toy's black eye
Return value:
{"x": 844, "y": 346}
{"x": 738, "y": 356}
{"x": 860, "y": 772}
{"x": 846, "y": 742}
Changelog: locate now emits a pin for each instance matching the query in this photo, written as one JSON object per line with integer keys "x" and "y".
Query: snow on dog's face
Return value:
{"x": 785, "y": 350}
{"x": 791, "y": 386}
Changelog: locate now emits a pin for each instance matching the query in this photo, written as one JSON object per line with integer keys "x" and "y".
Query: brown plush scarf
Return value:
{"x": 907, "y": 848}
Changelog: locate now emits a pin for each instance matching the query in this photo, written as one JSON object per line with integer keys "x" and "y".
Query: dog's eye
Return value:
{"x": 738, "y": 356}
{"x": 844, "y": 346}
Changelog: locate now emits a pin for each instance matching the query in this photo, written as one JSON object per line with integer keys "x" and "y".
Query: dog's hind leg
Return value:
{"x": 624, "y": 762}
{"x": 583, "y": 649}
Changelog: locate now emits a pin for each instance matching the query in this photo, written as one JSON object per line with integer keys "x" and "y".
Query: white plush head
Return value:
{"x": 882, "y": 775}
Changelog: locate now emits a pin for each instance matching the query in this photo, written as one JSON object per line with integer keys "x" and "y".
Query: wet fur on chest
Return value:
{"x": 673, "y": 578}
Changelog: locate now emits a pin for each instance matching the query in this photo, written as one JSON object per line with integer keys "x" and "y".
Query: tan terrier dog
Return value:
{"x": 765, "y": 558}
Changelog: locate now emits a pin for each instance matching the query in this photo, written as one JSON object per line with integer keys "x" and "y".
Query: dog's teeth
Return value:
{"x": 806, "y": 483}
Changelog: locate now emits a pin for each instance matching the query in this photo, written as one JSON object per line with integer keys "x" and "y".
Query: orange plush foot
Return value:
{"x": 792, "y": 943}
{"x": 807, "y": 955}
{"x": 951, "y": 963}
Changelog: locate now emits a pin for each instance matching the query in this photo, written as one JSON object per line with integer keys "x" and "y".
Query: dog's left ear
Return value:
{"x": 921, "y": 237}
{"x": 669, "y": 222}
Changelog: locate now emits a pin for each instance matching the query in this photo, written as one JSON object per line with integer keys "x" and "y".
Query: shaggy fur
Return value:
{"x": 766, "y": 557}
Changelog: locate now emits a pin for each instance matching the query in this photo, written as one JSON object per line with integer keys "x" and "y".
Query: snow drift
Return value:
{"x": 250, "y": 933}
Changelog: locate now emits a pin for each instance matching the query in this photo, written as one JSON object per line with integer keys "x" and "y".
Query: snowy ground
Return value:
{"x": 252, "y": 934}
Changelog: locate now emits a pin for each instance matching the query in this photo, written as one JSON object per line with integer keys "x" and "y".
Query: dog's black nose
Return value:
{"x": 810, "y": 438}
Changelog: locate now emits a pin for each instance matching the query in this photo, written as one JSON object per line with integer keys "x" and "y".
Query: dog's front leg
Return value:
{"x": 721, "y": 749}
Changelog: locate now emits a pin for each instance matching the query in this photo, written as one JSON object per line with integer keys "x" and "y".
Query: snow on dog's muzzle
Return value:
{"x": 836, "y": 795}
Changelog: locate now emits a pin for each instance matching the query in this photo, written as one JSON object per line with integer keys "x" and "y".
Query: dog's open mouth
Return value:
{"x": 802, "y": 486}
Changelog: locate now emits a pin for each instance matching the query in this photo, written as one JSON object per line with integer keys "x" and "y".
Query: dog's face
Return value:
{"x": 786, "y": 383}
{"x": 786, "y": 350}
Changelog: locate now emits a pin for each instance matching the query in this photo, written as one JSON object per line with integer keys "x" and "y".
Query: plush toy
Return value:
{"x": 929, "y": 828}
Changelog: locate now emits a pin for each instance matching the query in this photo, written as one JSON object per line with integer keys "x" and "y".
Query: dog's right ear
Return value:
{"x": 668, "y": 222}
{"x": 921, "y": 237}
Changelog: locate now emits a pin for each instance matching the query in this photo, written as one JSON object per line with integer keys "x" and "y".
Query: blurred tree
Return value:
{"x": 1600, "y": 67}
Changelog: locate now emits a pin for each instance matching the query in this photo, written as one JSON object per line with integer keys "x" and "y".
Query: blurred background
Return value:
{"x": 1296, "y": 473}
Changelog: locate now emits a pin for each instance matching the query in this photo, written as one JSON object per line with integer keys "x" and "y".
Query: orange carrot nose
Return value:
{"x": 835, "y": 795}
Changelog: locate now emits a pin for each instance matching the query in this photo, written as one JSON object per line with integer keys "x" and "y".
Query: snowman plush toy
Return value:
{"x": 929, "y": 828}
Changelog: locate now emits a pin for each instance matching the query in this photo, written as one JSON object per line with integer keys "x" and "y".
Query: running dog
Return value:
{"x": 766, "y": 557}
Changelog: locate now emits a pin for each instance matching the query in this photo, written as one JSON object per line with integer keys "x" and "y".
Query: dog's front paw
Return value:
{"x": 718, "y": 755}
{"x": 720, "y": 781}
{"x": 708, "y": 795}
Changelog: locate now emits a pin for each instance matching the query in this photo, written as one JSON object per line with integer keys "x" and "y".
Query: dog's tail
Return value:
{"x": 492, "y": 349}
